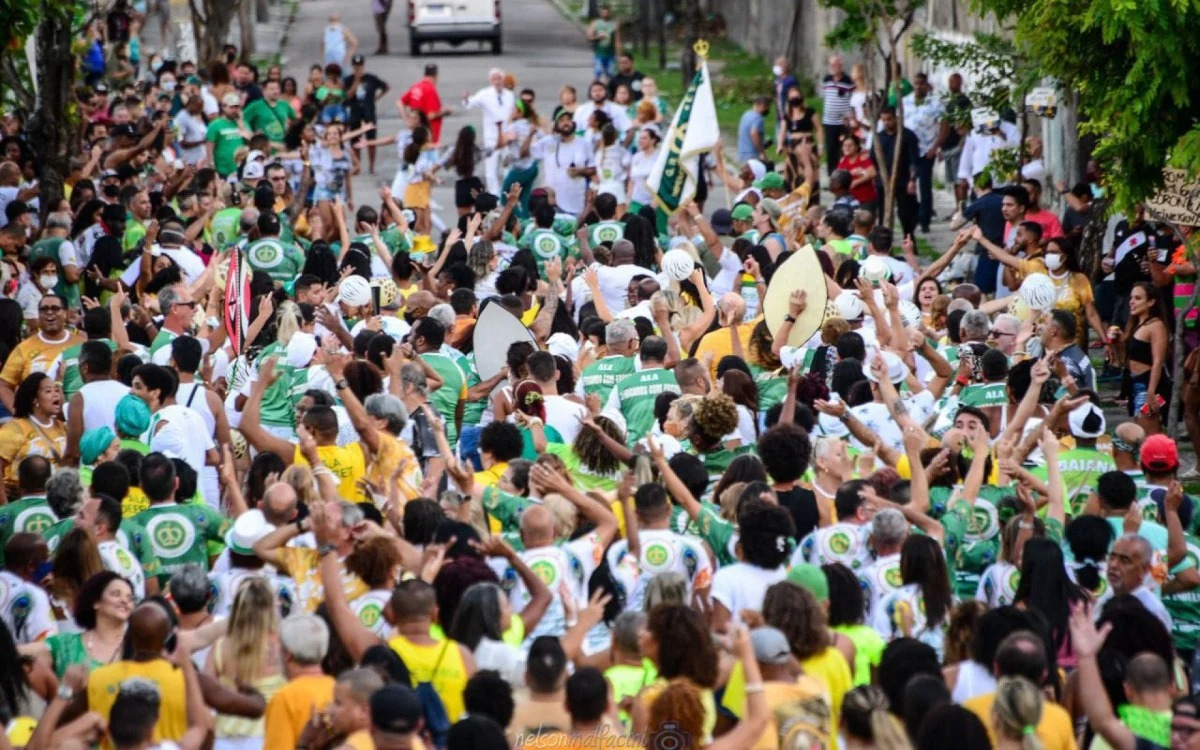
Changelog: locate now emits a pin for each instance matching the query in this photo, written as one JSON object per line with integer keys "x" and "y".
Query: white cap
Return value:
{"x": 300, "y": 349}
{"x": 354, "y": 291}
{"x": 253, "y": 170}
{"x": 1038, "y": 292}
{"x": 757, "y": 167}
{"x": 563, "y": 345}
{"x": 678, "y": 264}
{"x": 1079, "y": 417}
{"x": 874, "y": 269}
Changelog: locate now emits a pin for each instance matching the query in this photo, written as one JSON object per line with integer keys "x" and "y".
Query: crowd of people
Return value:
{"x": 940, "y": 510}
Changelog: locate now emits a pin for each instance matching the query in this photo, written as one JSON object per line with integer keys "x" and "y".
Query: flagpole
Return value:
{"x": 701, "y": 48}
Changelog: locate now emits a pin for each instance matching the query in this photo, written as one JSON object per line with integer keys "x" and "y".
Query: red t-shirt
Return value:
{"x": 864, "y": 193}
{"x": 423, "y": 96}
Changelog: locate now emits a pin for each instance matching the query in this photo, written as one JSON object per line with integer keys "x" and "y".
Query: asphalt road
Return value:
{"x": 541, "y": 48}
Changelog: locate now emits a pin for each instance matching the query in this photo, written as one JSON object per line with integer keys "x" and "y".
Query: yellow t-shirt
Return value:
{"x": 392, "y": 452}
{"x": 719, "y": 344}
{"x": 1054, "y": 730}
{"x": 830, "y": 667}
{"x": 292, "y": 706}
{"x": 348, "y": 464}
{"x": 35, "y": 354}
{"x": 304, "y": 566}
{"x": 24, "y": 437}
{"x": 809, "y": 694}
{"x": 135, "y": 502}
{"x": 439, "y": 663}
{"x": 104, "y": 682}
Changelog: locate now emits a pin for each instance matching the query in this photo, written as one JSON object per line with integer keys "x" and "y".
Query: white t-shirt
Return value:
{"x": 557, "y": 157}
{"x": 744, "y": 586}
{"x": 886, "y": 617}
{"x": 565, "y": 415}
{"x": 118, "y": 559}
{"x": 879, "y": 579}
{"x": 663, "y": 551}
{"x": 190, "y": 265}
{"x": 25, "y": 609}
{"x": 571, "y": 563}
{"x": 29, "y": 297}
{"x": 640, "y": 168}
{"x": 191, "y": 129}
{"x": 844, "y": 543}
{"x": 182, "y": 434}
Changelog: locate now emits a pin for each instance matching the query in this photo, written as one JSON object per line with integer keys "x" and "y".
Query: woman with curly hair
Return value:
{"x": 377, "y": 562}
{"x": 762, "y": 551}
{"x": 822, "y": 653}
{"x": 37, "y": 428}
{"x": 677, "y": 641}
{"x": 588, "y": 458}
{"x": 714, "y": 417}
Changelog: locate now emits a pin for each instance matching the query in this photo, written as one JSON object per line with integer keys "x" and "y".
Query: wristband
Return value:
{"x": 789, "y": 318}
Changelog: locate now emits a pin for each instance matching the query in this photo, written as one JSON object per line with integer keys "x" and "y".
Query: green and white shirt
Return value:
{"x": 634, "y": 397}
{"x": 605, "y": 231}
{"x": 601, "y": 376}
{"x": 179, "y": 534}
{"x": 281, "y": 261}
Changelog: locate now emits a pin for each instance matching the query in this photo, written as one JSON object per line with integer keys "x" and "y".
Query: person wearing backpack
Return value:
{"x": 798, "y": 704}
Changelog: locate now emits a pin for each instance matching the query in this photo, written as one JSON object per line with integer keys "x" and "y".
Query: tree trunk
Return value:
{"x": 691, "y": 31}
{"x": 246, "y": 51}
{"x": 57, "y": 137}
{"x": 212, "y": 29}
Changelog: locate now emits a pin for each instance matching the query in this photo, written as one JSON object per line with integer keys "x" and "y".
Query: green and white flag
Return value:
{"x": 693, "y": 132}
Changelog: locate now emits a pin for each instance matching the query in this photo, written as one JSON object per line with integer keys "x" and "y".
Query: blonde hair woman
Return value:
{"x": 866, "y": 722}
{"x": 1016, "y": 713}
{"x": 248, "y": 655}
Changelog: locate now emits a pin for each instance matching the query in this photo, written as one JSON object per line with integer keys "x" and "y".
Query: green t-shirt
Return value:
{"x": 546, "y": 245}
{"x": 179, "y": 534}
{"x": 225, "y": 227}
{"x": 454, "y": 389}
{"x": 529, "y": 450}
{"x": 586, "y": 479}
{"x": 1184, "y": 607}
{"x": 272, "y": 121}
{"x": 984, "y": 394}
{"x": 716, "y": 532}
{"x": 281, "y": 261}
{"x": 605, "y": 231}
{"x": 277, "y": 409}
{"x": 506, "y": 508}
{"x": 135, "y": 231}
{"x": 772, "y": 384}
{"x": 606, "y": 31}
{"x": 716, "y": 462}
{"x": 473, "y": 410}
{"x": 601, "y": 376}
{"x": 72, "y": 378}
{"x": 635, "y": 395}
{"x": 226, "y": 137}
{"x": 51, "y": 247}
{"x": 1079, "y": 469}
{"x": 131, "y": 535}
{"x": 31, "y": 514}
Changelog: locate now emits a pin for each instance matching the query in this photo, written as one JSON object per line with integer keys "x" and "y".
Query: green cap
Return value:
{"x": 770, "y": 181}
{"x": 812, "y": 578}
{"x": 742, "y": 212}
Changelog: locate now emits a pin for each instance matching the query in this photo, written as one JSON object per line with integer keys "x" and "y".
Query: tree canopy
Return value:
{"x": 1137, "y": 74}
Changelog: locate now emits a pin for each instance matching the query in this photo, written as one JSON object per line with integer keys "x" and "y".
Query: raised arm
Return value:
{"x": 1087, "y": 641}
{"x": 252, "y": 428}
{"x": 593, "y": 510}
{"x": 354, "y": 635}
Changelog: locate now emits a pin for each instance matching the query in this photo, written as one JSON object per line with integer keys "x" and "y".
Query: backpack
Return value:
{"x": 437, "y": 721}
{"x": 804, "y": 724}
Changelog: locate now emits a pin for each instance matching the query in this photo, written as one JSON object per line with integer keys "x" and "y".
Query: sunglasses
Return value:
{"x": 50, "y": 309}
{"x": 191, "y": 304}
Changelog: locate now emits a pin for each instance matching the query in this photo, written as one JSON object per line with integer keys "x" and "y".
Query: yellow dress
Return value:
{"x": 26, "y": 437}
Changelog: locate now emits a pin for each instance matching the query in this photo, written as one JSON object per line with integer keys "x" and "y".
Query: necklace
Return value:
{"x": 89, "y": 644}
{"x": 817, "y": 486}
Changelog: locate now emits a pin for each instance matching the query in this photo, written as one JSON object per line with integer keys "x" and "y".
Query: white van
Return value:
{"x": 453, "y": 21}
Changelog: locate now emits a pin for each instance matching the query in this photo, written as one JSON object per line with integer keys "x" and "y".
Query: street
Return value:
{"x": 541, "y": 48}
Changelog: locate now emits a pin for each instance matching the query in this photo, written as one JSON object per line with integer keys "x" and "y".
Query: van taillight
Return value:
{"x": 412, "y": 11}
{"x": 497, "y": 10}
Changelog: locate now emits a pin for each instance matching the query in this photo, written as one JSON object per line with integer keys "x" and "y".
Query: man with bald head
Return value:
{"x": 496, "y": 103}
{"x": 565, "y": 566}
{"x": 731, "y": 309}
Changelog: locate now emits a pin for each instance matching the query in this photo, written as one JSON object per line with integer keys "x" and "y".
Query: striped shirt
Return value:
{"x": 836, "y": 97}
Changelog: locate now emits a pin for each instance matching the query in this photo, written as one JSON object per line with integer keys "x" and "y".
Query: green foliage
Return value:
{"x": 865, "y": 21}
{"x": 1000, "y": 74}
{"x": 1136, "y": 71}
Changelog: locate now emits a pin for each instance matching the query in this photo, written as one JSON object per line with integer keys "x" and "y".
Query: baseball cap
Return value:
{"x": 722, "y": 221}
{"x": 132, "y": 416}
{"x": 357, "y": 60}
{"x": 741, "y": 212}
{"x": 770, "y": 645}
{"x": 100, "y": 88}
{"x": 192, "y": 80}
{"x": 253, "y": 170}
{"x": 757, "y": 167}
{"x": 1159, "y": 454}
{"x": 770, "y": 208}
{"x": 770, "y": 181}
{"x": 108, "y": 174}
{"x": 561, "y": 111}
{"x": 396, "y": 709}
{"x": 300, "y": 349}
{"x": 810, "y": 577}
{"x": 231, "y": 100}
{"x": 1087, "y": 421}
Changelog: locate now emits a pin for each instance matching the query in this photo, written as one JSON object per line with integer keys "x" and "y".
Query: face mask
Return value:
{"x": 155, "y": 65}
{"x": 168, "y": 86}
{"x": 111, "y": 191}
{"x": 777, "y": 70}
{"x": 47, "y": 281}
{"x": 1054, "y": 262}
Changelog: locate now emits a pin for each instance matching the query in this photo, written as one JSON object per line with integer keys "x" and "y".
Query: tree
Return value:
{"x": 1136, "y": 74}
{"x": 881, "y": 25}
{"x": 56, "y": 116}
{"x": 211, "y": 21}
